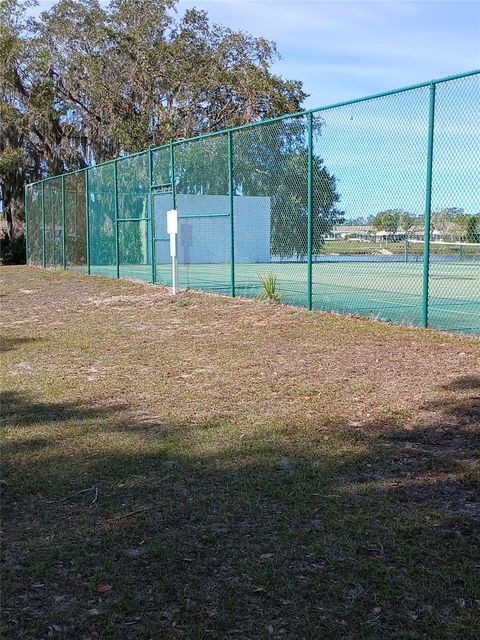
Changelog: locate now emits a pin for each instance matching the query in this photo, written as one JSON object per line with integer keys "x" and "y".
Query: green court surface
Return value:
{"x": 390, "y": 291}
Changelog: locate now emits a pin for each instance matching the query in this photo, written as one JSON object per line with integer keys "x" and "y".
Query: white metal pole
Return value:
{"x": 172, "y": 230}
{"x": 174, "y": 275}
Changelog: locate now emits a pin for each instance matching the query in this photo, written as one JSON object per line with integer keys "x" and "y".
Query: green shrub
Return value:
{"x": 268, "y": 291}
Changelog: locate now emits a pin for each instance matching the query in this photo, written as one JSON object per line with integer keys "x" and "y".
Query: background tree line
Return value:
{"x": 451, "y": 222}
{"x": 86, "y": 82}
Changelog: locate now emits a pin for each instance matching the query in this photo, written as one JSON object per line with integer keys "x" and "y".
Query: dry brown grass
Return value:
{"x": 298, "y": 475}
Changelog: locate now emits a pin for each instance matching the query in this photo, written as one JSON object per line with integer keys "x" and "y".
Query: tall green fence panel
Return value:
{"x": 161, "y": 174}
{"x": 454, "y": 283}
{"x": 53, "y": 222}
{"x": 161, "y": 202}
{"x": 202, "y": 202}
{"x": 369, "y": 169}
{"x": 33, "y": 206}
{"x": 102, "y": 220}
{"x": 270, "y": 210}
{"x": 75, "y": 222}
{"x": 133, "y": 213}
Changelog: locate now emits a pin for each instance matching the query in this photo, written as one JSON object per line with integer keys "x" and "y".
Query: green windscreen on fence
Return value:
{"x": 369, "y": 207}
{"x": 53, "y": 223}
{"x": 75, "y": 223}
{"x": 101, "y": 202}
{"x": 33, "y": 204}
{"x": 133, "y": 217}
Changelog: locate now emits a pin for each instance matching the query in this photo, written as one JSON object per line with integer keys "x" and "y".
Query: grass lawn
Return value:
{"x": 205, "y": 467}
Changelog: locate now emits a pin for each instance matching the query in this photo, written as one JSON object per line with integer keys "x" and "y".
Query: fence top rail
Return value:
{"x": 286, "y": 116}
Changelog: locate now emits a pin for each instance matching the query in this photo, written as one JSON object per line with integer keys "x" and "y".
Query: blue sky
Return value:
{"x": 342, "y": 50}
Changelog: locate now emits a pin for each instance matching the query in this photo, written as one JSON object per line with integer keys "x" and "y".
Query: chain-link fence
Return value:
{"x": 370, "y": 207}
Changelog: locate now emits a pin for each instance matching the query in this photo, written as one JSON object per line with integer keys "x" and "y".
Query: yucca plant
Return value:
{"x": 269, "y": 288}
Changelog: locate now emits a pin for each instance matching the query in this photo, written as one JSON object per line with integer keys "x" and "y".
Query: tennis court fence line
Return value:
{"x": 368, "y": 207}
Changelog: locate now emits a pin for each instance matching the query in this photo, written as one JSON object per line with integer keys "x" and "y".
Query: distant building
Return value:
{"x": 362, "y": 231}
{"x": 367, "y": 233}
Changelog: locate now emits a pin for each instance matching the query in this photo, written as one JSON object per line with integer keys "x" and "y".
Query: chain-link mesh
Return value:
{"x": 454, "y": 285}
{"x": 371, "y": 165}
{"x": 161, "y": 172}
{"x": 102, "y": 220}
{"x": 53, "y": 223}
{"x": 33, "y": 207}
{"x": 270, "y": 210}
{"x": 370, "y": 208}
{"x": 202, "y": 202}
{"x": 75, "y": 222}
{"x": 162, "y": 200}
{"x": 134, "y": 237}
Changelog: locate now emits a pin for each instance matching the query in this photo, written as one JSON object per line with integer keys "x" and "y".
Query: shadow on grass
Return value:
{"x": 119, "y": 528}
{"x": 9, "y": 343}
{"x": 20, "y": 411}
{"x": 464, "y": 383}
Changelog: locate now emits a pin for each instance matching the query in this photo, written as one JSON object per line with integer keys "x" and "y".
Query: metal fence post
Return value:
{"x": 428, "y": 206}
{"x": 309, "y": 209}
{"x": 44, "y": 257}
{"x": 172, "y": 173}
{"x": 64, "y": 260}
{"x": 25, "y": 216}
{"x": 151, "y": 213}
{"x": 174, "y": 203}
{"x": 115, "y": 208}
{"x": 87, "y": 221}
{"x": 230, "y": 200}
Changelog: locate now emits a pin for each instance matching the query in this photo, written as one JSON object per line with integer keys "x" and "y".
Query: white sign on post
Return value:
{"x": 172, "y": 230}
{"x": 172, "y": 222}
